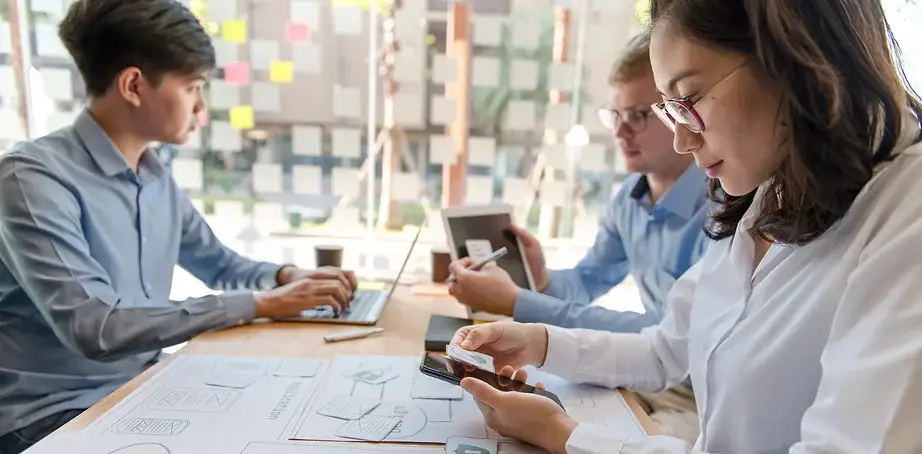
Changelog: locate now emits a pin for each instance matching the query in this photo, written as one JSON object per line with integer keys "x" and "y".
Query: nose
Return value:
{"x": 623, "y": 131}
{"x": 685, "y": 141}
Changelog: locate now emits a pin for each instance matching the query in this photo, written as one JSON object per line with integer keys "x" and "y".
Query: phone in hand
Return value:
{"x": 453, "y": 371}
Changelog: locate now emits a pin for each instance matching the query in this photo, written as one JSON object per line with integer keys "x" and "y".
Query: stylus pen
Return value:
{"x": 351, "y": 334}
{"x": 496, "y": 255}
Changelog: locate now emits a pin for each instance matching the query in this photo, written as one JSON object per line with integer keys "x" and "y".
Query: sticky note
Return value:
{"x": 224, "y": 137}
{"x": 234, "y": 31}
{"x": 296, "y": 32}
{"x": 444, "y": 69}
{"x": 306, "y": 180}
{"x": 281, "y": 72}
{"x": 58, "y": 83}
{"x": 305, "y": 11}
{"x": 526, "y": 34}
{"x": 561, "y": 76}
{"x": 516, "y": 191}
{"x": 347, "y": 142}
{"x": 237, "y": 73}
{"x": 406, "y": 186}
{"x": 488, "y": 30}
{"x": 481, "y": 151}
{"x": 225, "y": 53}
{"x": 267, "y": 178}
{"x": 594, "y": 157}
{"x": 523, "y": 74}
{"x": 558, "y": 117}
{"x": 520, "y": 115}
{"x": 408, "y": 109}
{"x": 305, "y": 140}
{"x": 266, "y": 97}
{"x": 222, "y": 96}
{"x": 479, "y": 189}
{"x": 306, "y": 57}
{"x": 48, "y": 44}
{"x": 346, "y": 102}
{"x": 241, "y": 117}
{"x": 555, "y": 155}
{"x": 347, "y": 20}
{"x": 441, "y": 150}
{"x": 443, "y": 111}
{"x": 554, "y": 193}
{"x": 263, "y": 52}
{"x": 408, "y": 65}
{"x": 485, "y": 71}
{"x": 221, "y": 10}
{"x": 345, "y": 181}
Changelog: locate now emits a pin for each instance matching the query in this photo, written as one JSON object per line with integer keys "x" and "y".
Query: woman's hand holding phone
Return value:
{"x": 509, "y": 343}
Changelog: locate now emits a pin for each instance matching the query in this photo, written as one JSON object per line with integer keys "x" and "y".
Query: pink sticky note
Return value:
{"x": 237, "y": 73}
{"x": 296, "y": 32}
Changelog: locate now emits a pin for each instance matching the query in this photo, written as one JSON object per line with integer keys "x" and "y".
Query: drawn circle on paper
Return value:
{"x": 142, "y": 448}
{"x": 412, "y": 418}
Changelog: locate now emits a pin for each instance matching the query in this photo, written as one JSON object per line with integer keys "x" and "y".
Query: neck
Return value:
{"x": 661, "y": 182}
{"x": 126, "y": 141}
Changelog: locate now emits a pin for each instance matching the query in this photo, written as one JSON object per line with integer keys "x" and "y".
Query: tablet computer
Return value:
{"x": 478, "y": 230}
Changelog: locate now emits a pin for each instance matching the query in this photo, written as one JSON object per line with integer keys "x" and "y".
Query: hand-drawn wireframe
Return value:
{"x": 236, "y": 373}
{"x": 432, "y": 421}
{"x": 193, "y": 400}
{"x": 348, "y": 407}
{"x": 150, "y": 426}
{"x": 282, "y": 448}
{"x": 142, "y": 448}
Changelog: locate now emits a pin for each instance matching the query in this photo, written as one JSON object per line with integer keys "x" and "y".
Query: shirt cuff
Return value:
{"x": 239, "y": 307}
{"x": 592, "y": 439}
{"x": 562, "y": 351}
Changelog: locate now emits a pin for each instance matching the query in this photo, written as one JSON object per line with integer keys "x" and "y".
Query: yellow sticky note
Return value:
{"x": 234, "y": 31}
{"x": 372, "y": 285}
{"x": 281, "y": 71}
{"x": 241, "y": 117}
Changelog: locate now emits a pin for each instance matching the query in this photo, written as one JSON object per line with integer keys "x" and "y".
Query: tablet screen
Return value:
{"x": 478, "y": 236}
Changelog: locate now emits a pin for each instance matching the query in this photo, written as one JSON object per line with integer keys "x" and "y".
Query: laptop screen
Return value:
{"x": 406, "y": 260}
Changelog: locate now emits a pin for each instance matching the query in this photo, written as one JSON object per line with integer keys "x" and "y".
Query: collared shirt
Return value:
{"x": 87, "y": 253}
{"x": 817, "y": 349}
{"x": 655, "y": 243}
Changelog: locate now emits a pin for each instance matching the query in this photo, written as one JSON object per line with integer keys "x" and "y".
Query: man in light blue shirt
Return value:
{"x": 92, "y": 226}
{"x": 653, "y": 230}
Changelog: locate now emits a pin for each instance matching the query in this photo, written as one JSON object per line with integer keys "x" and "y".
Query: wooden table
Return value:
{"x": 405, "y": 318}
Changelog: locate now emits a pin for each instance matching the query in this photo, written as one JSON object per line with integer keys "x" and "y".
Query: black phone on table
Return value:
{"x": 453, "y": 371}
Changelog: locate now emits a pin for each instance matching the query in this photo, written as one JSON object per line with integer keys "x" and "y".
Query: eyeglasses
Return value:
{"x": 613, "y": 119}
{"x": 682, "y": 110}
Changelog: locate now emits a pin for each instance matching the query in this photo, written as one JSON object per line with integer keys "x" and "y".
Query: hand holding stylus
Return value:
{"x": 476, "y": 266}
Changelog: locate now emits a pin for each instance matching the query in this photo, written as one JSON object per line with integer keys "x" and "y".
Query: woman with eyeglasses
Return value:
{"x": 801, "y": 328}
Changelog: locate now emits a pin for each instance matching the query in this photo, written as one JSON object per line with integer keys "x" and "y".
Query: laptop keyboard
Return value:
{"x": 363, "y": 303}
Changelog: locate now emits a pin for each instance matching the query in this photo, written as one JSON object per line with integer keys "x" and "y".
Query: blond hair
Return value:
{"x": 634, "y": 60}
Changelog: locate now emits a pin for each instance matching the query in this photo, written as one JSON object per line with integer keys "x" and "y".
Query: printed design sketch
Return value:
{"x": 281, "y": 448}
{"x": 142, "y": 448}
{"x": 194, "y": 400}
{"x": 150, "y": 426}
{"x": 421, "y": 421}
{"x": 236, "y": 374}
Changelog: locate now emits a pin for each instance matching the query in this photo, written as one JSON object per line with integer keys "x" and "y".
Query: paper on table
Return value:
{"x": 224, "y": 137}
{"x": 278, "y": 448}
{"x": 237, "y": 374}
{"x": 237, "y": 73}
{"x": 306, "y": 140}
{"x": 479, "y": 189}
{"x": 520, "y": 115}
{"x": 266, "y": 97}
{"x": 488, "y": 30}
{"x": 241, "y": 117}
{"x": 348, "y": 407}
{"x": 59, "y": 84}
{"x": 267, "y": 178}
{"x": 485, "y": 71}
{"x": 347, "y": 142}
{"x": 188, "y": 173}
{"x": 306, "y": 180}
{"x": 345, "y": 182}
{"x": 516, "y": 191}
{"x": 234, "y": 31}
{"x": 222, "y": 95}
{"x": 306, "y": 57}
{"x": 441, "y": 149}
{"x": 346, "y": 102}
{"x": 524, "y": 74}
{"x": 444, "y": 110}
{"x": 297, "y": 367}
{"x": 482, "y": 151}
{"x": 369, "y": 428}
{"x": 263, "y": 52}
{"x": 347, "y": 20}
{"x": 225, "y": 52}
{"x": 296, "y": 32}
{"x": 307, "y": 12}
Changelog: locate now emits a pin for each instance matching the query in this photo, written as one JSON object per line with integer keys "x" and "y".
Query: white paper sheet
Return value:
{"x": 417, "y": 424}
{"x": 409, "y": 26}
{"x": 48, "y": 43}
{"x": 561, "y": 76}
{"x": 444, "y": 69}
{"x": 305, "y": 180}
{"x": 262, "y": 53}
{"x": 525, "y": 34}
{"x": 594, "y": 157}
{"x": 222, "y": 10}
{"x": 347, "y": 142}
{"x": 516, "y": 191}
{"x": 479, "y": 189}
{"x": 481, "y": 151}
{"x": 485, "y": 71}
{"x": 266, "y": 97}
{"x": 346, "y": 102}
{"x": 521, "y": 115}
{"x": 267, "y": 178}
{"x": 443, "y": 110}
{"x": 408, "y": 109}
{"x": 225, "y": 137}
{"x": 406, "y": 187}
{"x": 408, "y": 65}
{"x": 347, "y": 20}
{"x": 223, "y": 96}
{"x": 441, "y": 149}
{"x": 59, "y": 84}
{"x": 305, "y": 140}
{"x": 558, "y": 117}
{"x": 225, "y": 52}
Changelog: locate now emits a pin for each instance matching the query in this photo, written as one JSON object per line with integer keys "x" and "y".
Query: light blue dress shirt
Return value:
{"x": 656, "y": 244}
{"x": 87, "y": 253}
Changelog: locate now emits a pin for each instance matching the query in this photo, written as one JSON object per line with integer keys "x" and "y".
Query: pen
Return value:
{"x": 498, "y": 254}
{"x": 351, "y": 334}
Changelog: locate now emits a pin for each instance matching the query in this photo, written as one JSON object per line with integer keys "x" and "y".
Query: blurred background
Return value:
{"x": 341, "y": 121}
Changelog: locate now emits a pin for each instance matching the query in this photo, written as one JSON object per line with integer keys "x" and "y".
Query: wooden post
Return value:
{"x": 454, "y": 176}
{"x": 549, "y": 221}
{"x": 20, "y": 72}
{"x": 390, "y": 215}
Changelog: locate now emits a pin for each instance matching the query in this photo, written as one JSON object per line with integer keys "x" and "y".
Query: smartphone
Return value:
{"x": 453, "y": 371}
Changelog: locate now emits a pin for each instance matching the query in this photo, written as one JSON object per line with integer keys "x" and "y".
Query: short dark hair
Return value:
{"x": 845, "y": 98}
{"x": 634, "y": 60}
{"x": 157, "y": 36}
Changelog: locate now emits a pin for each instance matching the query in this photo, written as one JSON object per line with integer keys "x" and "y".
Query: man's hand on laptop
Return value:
{"x": 490, "y": 289}
{"x": 289, "y": 300}
{"x": 534, "y": 255}
{"x": 289, "y": 274}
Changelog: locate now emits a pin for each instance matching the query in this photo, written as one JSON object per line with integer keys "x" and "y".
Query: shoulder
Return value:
{"x": 33, "y": 171}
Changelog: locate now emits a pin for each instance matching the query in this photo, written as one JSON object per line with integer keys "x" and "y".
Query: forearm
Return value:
{"x": 101, "y": 330}
{"x": 595, "y": 439}
{"x": 567, "y": 285}
{"x": 223, "y": 269}
{"x": 531, "y": 307}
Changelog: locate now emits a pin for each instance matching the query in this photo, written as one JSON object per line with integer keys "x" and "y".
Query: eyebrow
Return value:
{"x": 685, "y": 74}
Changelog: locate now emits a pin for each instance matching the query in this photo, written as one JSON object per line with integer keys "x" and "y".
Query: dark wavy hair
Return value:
{"x": 845, "y": 98}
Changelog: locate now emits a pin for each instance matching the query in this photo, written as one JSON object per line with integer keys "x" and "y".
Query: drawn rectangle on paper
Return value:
{"x": 369, "y": 428}
{"x": 150, "y": 426}
{"x": 296, "y": 367}
{"x": 436, "y": 410}
{"x": 279, "y": 448}
{"x": 348, "y": 408}
{"x": 193, "y": 400}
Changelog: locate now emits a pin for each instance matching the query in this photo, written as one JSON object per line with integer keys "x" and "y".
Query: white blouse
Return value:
{"x": 817, "y": 350}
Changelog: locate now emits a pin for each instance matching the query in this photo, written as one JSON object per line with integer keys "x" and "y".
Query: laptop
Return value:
{"x": 366, "y": 306}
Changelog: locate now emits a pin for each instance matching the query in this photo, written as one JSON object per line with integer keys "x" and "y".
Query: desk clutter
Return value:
{"x": 256, "y": 405}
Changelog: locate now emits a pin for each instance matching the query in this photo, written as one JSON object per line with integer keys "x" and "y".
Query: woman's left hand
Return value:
{"x": 531, "y": 418}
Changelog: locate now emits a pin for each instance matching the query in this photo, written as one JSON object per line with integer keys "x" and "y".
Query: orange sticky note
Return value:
{"x": 234, "y": 31}
{"x": 296, "y": 32}
{"x": 241, "y": 117}
{"x": 237, "y": 73}
{"x": 281, "y": 72}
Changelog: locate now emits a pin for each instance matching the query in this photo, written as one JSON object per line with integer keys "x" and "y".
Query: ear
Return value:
{"x": 129, "y": 83}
